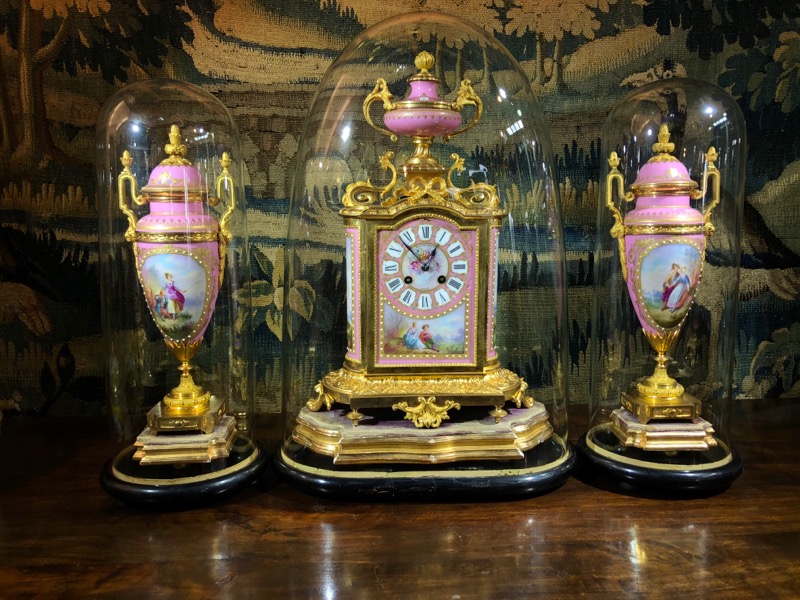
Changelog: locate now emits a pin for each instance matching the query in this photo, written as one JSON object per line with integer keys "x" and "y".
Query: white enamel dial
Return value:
{"x": 425, "y": 266}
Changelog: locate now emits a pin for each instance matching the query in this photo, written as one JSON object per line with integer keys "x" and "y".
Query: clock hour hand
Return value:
{"x": 427, "y": 264}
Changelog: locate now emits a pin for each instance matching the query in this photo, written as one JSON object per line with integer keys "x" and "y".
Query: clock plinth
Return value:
{"x": 381, "y": 439}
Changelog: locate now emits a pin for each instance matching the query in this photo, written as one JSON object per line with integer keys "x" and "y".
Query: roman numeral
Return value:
{"x": 408, "y": 297}
{"x": 425, "y": 232}
{"x": 455, "y": 284}
{"x": 408, "y": 236}
{"x": 395, "y": 250}
{"x": 394, "y": 284}
{"x": 455, "y": 249}
{"x": 459, "y": 266}
{"x": 390, "y": 267}
{"x": 442, "y": 297}
{"x": 442, "y": 236}
{"x": 424, "y": 301}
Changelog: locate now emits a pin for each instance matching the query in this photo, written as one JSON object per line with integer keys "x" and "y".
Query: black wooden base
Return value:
{"x": 543, "y": 468}
{"x": 683, "y": 472}
{"x": 183, "y": 486}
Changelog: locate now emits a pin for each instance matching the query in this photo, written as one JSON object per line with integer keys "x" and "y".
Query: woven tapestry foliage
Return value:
{"x": 61, "y": 60}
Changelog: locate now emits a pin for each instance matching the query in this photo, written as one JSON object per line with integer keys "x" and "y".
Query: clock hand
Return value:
{"x": 410, "y": 249}
{"x": 427, "y": 264}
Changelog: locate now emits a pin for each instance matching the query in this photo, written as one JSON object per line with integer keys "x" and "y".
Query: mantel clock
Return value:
{"x": 421, "y": 383}
{"x": 421, "y": 277}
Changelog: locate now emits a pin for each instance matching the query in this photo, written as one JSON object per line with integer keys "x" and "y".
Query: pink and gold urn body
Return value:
{"x": 662, "y": 244}
{"x": 422, "y": 115}
{"x": 180, "y": 258}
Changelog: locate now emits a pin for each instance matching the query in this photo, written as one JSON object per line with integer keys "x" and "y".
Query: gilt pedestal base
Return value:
{"x": 387, "y": 457}
{"x": 673, "y": 473}
{"x": 667, "y": 436}
{"x": 172, "y": 448}
{"x": 177, "y": 486}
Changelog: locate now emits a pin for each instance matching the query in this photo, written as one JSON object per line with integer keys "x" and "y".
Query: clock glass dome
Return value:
{"x": 424, "y": 294}
{"x": 667, "y": 288}
{"x": 175, "y": 303}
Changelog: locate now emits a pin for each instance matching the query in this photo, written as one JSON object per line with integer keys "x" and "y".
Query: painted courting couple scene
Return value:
{"x": 420, "y": 338}
{"x": 670, "y": 275}
{"x": 442, "y": 335}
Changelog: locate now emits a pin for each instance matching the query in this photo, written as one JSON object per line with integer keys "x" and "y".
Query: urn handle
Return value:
{"x": 125, "y": 180}
{"x": 225, "y": 180}
{"x": 380, "y": 93}
{"x": 618, "y": 229}
{"x": 466, "y": 95}
{"x": 711, "y": 173}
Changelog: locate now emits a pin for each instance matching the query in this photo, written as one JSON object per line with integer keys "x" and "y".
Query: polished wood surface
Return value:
{"x": 62, "y": 536}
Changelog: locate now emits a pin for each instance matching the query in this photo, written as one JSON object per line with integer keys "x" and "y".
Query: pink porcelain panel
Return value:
{"x": 491, "y": 313}
{"x": 422, "y": 121}
{"x": 352, "y": 267}
{"x": 662, "y": 172}
{"x": 426, "y": 294}
{"x": 178, "y": 217}
{"x": 423, "y": 91}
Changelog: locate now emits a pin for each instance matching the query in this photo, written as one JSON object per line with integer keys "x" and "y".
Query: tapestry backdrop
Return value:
{"x": 62, "y": 59}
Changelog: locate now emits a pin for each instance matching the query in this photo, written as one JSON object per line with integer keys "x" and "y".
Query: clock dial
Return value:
{"x": 426, "y": 265}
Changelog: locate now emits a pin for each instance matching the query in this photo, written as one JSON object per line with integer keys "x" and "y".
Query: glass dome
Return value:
{"x": 667, "y": 287}
{"x": 424, "y": 320}
{"x": 176, "y": 319}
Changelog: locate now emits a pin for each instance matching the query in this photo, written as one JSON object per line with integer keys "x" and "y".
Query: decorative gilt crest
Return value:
{"x": 480, "y": 199}
{"x": 421, "y": 117}
{"x": 323, "y": 398}
{"x": 663, "y": 148}
{"x": 426, "y": 413}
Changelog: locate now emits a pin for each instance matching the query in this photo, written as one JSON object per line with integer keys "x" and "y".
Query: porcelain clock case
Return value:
{"x": 421, "y": 301}
{"x": 427, "y": 301}
{"x": 426, "y": 293}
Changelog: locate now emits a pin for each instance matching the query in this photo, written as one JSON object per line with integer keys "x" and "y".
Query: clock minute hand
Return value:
{"x": 410, "y": 249}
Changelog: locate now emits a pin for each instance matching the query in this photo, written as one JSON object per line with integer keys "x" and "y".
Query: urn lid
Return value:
{"x": 423, "y": 93}
{"x": 424, "y": 88}
{"x": 424, "y": 62}
{"x": 663, "y": 173}
{"x": 175, "y": 174}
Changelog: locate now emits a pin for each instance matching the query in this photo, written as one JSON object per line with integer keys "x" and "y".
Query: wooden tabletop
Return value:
{"x": 62, "y": 536}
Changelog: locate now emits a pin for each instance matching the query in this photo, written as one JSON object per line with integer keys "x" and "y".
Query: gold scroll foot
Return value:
{"x": 520, "y": 398}
{"x": 323, "y": 398}
{"x": 427, "y": 413}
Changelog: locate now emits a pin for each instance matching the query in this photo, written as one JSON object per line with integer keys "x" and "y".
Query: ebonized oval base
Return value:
{"x": 543, "y": 468}
{"x": 683, "y": 472}
{"x": 185, "y": 486}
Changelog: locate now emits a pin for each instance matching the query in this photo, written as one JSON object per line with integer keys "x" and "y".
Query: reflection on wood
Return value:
{"x": 62, "y": 536}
